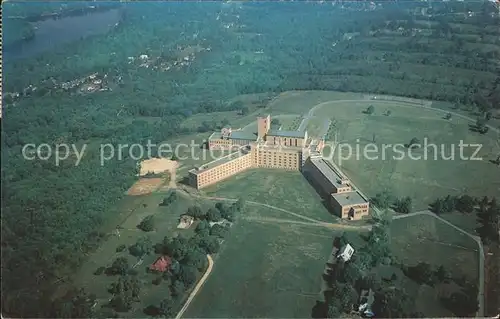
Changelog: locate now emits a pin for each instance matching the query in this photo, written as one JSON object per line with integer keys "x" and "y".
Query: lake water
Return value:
{"x": 52, "y": 33}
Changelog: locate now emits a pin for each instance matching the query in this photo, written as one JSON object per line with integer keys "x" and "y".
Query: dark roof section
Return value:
{"x": 235, "y": 135}
{"x": 297, "y": 134}
{"x": 242, "y": 135}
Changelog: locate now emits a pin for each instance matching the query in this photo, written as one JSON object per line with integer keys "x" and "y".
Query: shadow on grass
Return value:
{"x": 319, "y": 191}
{"x": 152, "y": 311}
{"x": 496, "y": 162}
{"x": 319, "y": 310}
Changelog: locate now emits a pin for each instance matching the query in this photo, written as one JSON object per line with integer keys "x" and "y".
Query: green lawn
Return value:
{"x": 265, "y": 270}
{"x": 288, "y": 122}
{"x": 466, "y": 221}
{"x": 315, "y": 126}
{"x": 299, "y": 102}
{"x": 284, "y": 189}
{"x": 424, "y": 180}
{"x": 424, "y": 238}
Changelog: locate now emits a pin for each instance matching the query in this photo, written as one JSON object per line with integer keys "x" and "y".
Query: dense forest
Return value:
{"x": 167, "y": 61}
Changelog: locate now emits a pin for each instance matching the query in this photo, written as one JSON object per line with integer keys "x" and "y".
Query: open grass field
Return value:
{"x": 315, "y": 126}
{"x": 266, "y": 271}
{"x": 424, "y": 180}
{"x": 289, "y": 122}
{"x": 423, "y": 238}
{"x": 299, "y": 102}
{"x": 465, "y": 221}
{"x": 285, "y": 189}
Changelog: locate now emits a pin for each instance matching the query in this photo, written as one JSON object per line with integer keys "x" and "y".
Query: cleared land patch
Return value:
{"x": 145, "y": 186}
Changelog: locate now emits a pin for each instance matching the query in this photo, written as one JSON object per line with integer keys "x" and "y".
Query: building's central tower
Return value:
{"x": 263, "y": 126}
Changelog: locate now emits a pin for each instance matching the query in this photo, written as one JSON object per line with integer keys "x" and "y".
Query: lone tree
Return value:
{"x": 213, "y": 215}
{"x": 142, "y": 247}
{"x": 488, "y": 115}
{"x": 388, "y": 113}
{"x": 195, "y": 212}
{"x": 370, "y": 109}
{"x": 403, "y": 205}
{"x": 244, "y": 110}
{"x": 166, "y": 307}
{"x": 172, "y": 197}
{"x": 147, "y": 224}
{"x": 414, "y": 142}
{"x": 447, "y": 116}
{"x": 382, "y": 200}
{"x": 120, "y": 266}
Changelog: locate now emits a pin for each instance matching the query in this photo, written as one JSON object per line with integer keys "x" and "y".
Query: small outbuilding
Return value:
{"x": 162, "y": 264}
{"x": 346, "y": 252}
{"x": 185, "y": 222}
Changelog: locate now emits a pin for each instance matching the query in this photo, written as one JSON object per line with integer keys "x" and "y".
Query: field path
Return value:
{"x": 401, "y": 104}
{"x": 197, "y": 288}
{"x": 264, "y": 205}
{"x": 480, "y": 312}
{"x": 290, "y": 221}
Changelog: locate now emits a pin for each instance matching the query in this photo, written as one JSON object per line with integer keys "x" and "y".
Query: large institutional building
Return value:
{"x": 272, "y": 147}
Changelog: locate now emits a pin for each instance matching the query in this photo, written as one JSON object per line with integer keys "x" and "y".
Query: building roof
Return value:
{"x": 186, "y": 218}
{"x": 298, "y": 134}
{"x": 346, "y": 252}
{"x": 243, "y": 135}
{"x": 331, "y": 174}
{"x": 235, "y": 135}
{"x": 241, "y": 152}
{"x": 161, "y": 264}
{"x": 349, "y": 198}
{"x": 282, "y": 148}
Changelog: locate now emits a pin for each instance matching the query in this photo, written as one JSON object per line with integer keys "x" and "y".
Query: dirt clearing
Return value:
{"x": 145, "y": 186}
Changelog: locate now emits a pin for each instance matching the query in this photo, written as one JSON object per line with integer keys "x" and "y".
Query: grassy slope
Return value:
{"x": 266, "y": 271}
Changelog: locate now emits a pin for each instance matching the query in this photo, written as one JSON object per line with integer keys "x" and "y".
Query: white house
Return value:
{"x": 346, "y": 252}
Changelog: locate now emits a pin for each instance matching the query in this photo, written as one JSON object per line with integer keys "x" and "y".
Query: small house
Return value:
{"x": 185, "y": 222}
{"x": 162, "y": 264}
{"x": 346, "y": 252}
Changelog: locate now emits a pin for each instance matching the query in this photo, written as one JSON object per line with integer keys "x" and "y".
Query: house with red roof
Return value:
{"x": 162, "y": 264}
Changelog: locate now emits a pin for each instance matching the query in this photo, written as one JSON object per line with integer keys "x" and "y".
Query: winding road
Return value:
{"x": 399, "y": 103}
{"x": 198, "y": 286}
